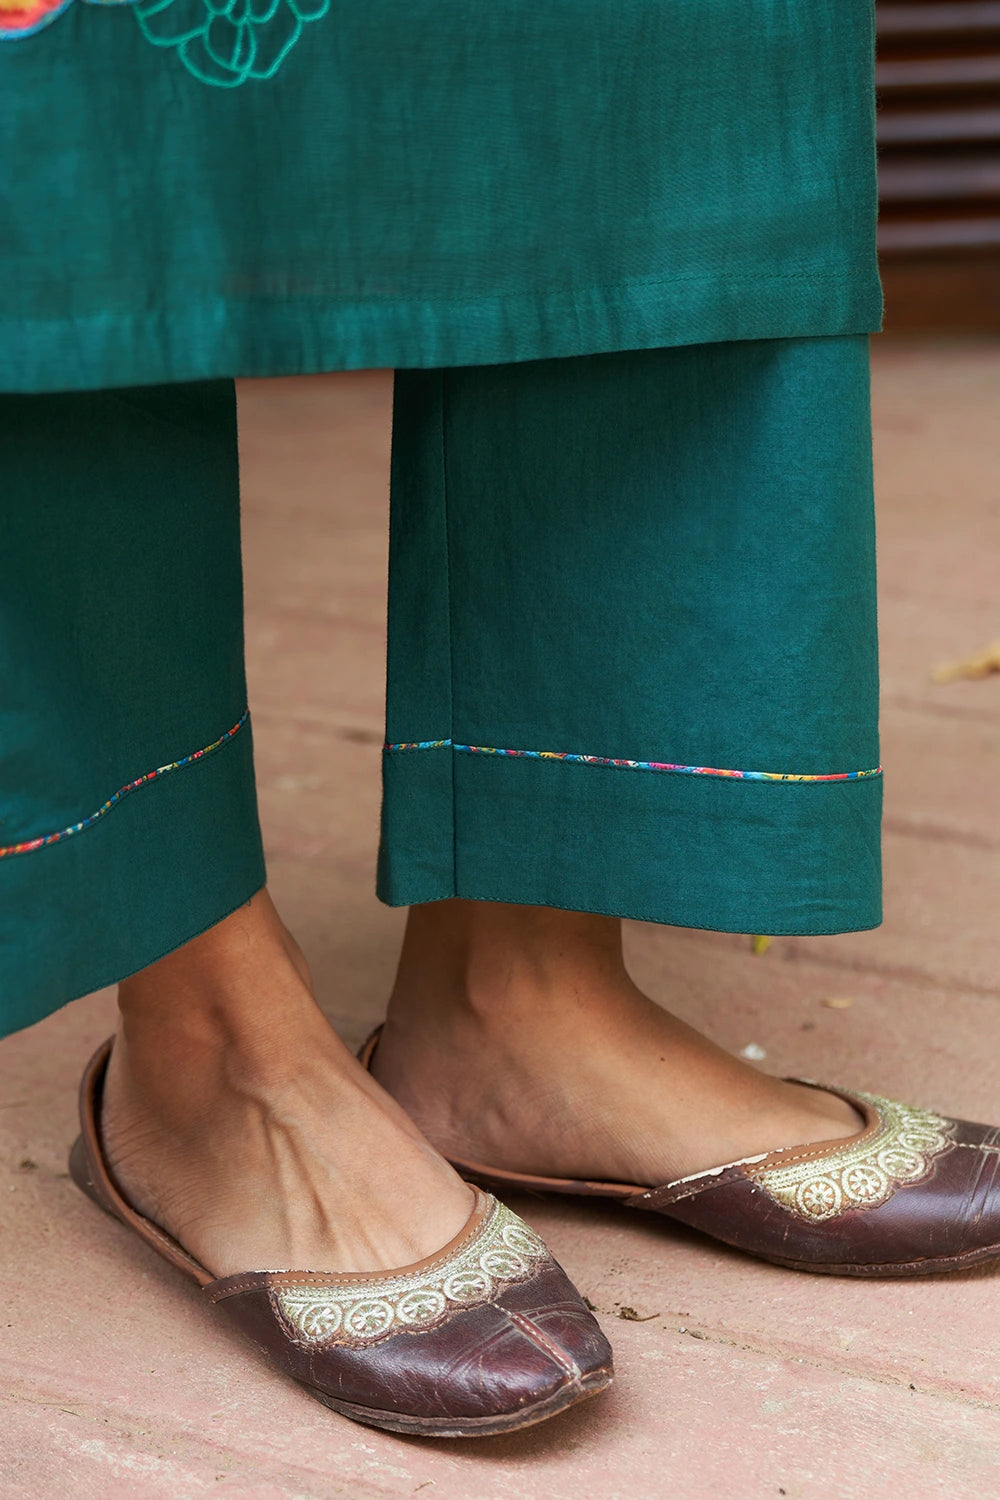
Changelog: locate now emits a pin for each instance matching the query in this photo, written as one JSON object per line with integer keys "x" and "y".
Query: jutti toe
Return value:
{"x": 488, "y": 1335}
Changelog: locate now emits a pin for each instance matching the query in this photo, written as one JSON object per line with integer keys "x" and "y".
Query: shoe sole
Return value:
{"x": 460, "y": 1427}
{"x": 888, "y": 1269}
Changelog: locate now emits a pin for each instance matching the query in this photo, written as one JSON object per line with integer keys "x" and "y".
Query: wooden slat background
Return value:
{"x": 938, "y": 79}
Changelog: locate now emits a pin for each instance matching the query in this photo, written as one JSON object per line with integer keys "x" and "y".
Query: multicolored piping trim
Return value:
{"x": 175, "y": 765}
{"x": 627, "y": 765}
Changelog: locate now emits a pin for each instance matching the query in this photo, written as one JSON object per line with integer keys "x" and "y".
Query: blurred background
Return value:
{"x": 938, "y": 77}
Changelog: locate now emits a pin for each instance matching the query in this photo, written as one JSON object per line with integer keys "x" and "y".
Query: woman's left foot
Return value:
{"x": 516, "y": 1037}
{"x": 520, "y": 1046}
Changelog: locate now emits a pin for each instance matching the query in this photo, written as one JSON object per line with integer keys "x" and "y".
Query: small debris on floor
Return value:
{"x": 981, "y": 665}
{"x": 27, "y": 1165}
{"x": 761, "y": 944}
{"x": 752, "y": 1052}
{"x": 838, "y": 1002}
{"x": 587, "y": 1303}
{"x": 359, "y": 736}
{"x": 629, "y": 1315}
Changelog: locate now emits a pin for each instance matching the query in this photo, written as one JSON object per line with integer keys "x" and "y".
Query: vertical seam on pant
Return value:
{"x": 451, "y": 629}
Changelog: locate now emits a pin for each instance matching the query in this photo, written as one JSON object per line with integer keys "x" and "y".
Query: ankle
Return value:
{"x": 227, "y": 983}
{"x": 485, "y": 962}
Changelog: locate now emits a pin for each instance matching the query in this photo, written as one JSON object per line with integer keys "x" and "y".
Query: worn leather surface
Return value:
{"x": 950, "y": 1218}
{"x": 533, "y": 1345}
{"x": 533, "y": 1342}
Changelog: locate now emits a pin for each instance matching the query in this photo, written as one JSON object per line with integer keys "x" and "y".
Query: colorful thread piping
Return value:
{"x": 175, "y": 765}
{"x": 628, "y": 765}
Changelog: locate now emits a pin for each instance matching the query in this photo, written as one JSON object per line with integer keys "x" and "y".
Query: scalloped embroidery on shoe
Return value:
{"x": 504, "y": 1251}
{"x": 901, "y": 1152}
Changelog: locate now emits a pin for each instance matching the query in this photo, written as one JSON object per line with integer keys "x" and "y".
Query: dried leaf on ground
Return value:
{"x": 629, "y": 1315}
{"x": 982, "y": 665}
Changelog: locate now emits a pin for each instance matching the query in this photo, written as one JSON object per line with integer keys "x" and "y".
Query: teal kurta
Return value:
{"x": 193, "y": 189}
{"x": 632, "y": 645}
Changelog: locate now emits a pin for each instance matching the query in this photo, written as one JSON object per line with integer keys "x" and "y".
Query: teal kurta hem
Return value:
{"x": 425, "y": 183}
{"x": 199, "y": 341}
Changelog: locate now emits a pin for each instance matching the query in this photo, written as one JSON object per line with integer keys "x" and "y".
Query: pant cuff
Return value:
{"x": 167, "y": 862}
{"x": 718, "y": 852}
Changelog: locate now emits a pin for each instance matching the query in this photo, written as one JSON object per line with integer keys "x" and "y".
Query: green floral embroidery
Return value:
{"x": 221, "y": 42}
{"x": 227, "y": 42}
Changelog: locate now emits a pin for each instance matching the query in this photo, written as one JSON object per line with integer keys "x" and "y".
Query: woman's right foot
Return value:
{"x": 312, "y": 1211}
{"x": 236, "y": 1120}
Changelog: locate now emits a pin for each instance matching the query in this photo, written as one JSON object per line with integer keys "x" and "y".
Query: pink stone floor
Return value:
{"x": 741, "y": 1380}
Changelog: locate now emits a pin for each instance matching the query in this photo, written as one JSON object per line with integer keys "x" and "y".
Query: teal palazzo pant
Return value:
{"x": 632, "y": 655}
{"x": 622, "y": 253}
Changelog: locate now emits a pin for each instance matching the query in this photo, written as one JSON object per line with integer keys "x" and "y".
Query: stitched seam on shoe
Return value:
{"x": 532, "y": 1331}
{"x": 814, "y": 1153}
{"x": 258, "y": 1282}
{"x": 625, "y": 765}
{"x": 676, "y": 1193}
{"x": 754, "y": 1166}
{"x": 45, "y": 840}
{"x": 767, "y": 1162}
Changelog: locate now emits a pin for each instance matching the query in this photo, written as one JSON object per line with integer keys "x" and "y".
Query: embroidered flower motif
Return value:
{"x": 367, "y": 1319}
{"x": 220, "y": 42}
{"x": 504, "y": 1251}
{"x": 819, "y": 1199}
{"x": 865, "y": 1183}
{"x": 421, "y": 1307}
{"x": 468, "y": 1286}
{"x": 902, "y": 1150}
{"x": 899, "y": 1162}
{"x": 322, "y": 1321}
{"x": 227, "y": 42}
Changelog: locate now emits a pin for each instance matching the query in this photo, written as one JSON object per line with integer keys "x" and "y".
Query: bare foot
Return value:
{"x": 516, "y": 1038}
{"x": 236, "y": 1119}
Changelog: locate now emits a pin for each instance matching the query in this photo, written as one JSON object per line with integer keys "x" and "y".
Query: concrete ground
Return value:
{"x": 737, "y": 1379}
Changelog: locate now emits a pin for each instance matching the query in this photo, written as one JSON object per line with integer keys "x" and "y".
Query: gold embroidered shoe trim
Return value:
{"x": 902, "y": 1151}
{"x": 503, "y": 1252}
